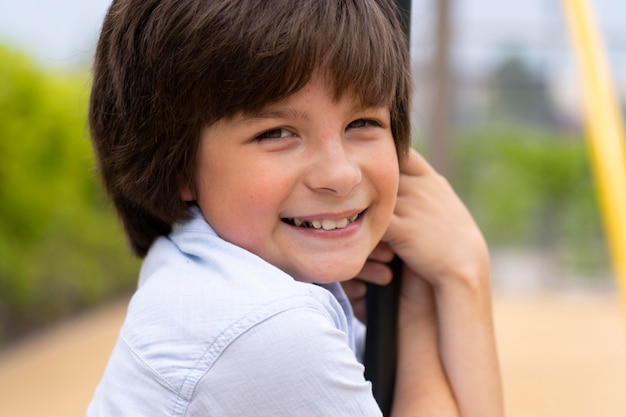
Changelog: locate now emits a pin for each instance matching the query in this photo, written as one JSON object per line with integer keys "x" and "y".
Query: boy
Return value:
{"x": 257, "y": 152}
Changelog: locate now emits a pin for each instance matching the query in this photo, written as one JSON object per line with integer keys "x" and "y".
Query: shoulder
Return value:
{"x": 293, "y": 363}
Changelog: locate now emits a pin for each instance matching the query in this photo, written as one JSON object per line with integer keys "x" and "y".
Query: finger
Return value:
{"x": 415, "y": 164}
{"x": 355, "y": 289}
{"x": 382, "y": 253}
{"x": 360, "y": 310}
{"x": 375, "y": 273}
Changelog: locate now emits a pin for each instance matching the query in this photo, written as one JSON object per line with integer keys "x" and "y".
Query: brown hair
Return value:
{"x": 166, "y": 68}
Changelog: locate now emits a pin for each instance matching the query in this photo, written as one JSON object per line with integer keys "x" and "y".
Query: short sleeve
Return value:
{"x": 294, "y": 363}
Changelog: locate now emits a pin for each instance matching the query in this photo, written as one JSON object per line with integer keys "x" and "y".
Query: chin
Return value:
{"x": 319, "y": 275}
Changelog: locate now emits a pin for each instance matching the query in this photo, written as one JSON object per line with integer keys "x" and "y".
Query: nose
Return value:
{"x": 333, "y": 168}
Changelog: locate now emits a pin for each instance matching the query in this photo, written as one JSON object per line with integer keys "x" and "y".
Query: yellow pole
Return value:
{"x": 605, "y": 132}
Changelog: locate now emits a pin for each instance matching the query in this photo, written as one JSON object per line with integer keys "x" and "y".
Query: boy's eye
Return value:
{"x": 278, "y": 133}
{"x": 360, "y": 123}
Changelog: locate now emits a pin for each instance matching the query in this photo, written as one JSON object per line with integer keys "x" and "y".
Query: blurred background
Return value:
{"x": 497, "y": 110}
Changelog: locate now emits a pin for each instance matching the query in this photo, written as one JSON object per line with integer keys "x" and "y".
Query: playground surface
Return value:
{"x": 562, "y": 355}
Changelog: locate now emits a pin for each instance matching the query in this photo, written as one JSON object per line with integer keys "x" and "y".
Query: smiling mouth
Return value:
{"x": 322, "y": 224}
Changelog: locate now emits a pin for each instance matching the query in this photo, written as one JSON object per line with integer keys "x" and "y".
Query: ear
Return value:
{"x": 187, "y": 194}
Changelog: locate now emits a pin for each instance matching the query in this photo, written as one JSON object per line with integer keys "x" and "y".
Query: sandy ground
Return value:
{"x": 561, "y": 356}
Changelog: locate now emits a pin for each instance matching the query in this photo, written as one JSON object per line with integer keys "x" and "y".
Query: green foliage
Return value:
{"x": 60, "y": 246}
{"x": 534, "y": 188}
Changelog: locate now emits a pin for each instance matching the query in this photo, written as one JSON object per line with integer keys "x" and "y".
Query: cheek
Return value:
{"x": 244, "y": 209}
{"x": 386, "y": 174}
{"x": 387, "y": 180}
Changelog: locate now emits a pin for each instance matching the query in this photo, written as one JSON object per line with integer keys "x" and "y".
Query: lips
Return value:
{"x": 323, "y": 224}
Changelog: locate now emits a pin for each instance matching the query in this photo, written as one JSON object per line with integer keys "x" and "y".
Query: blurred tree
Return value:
{"x": 519, "y": 95}
{"x": 60, "y": 246}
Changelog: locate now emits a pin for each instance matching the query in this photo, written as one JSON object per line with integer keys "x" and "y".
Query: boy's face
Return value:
{"x": 308, "y": 184}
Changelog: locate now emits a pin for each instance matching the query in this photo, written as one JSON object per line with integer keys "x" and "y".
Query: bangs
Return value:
{"x": 283, "y": 46}
{"x": 367, "y": 62}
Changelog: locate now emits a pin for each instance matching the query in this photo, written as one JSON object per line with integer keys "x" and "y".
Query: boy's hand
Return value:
{"x": 433, "y": 232}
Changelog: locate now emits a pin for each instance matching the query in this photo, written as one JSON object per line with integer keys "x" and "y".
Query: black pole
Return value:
{"x": 382, "y": 306}
{"x": 404, "y": 9}
{"x": 381, "y": 338}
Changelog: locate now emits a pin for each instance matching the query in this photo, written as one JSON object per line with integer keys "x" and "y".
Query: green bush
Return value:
{"x": 532, "y": 188}
{"x": 61, "y": 248}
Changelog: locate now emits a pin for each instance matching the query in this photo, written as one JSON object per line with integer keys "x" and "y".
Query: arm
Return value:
{"x": 422, "y": 386}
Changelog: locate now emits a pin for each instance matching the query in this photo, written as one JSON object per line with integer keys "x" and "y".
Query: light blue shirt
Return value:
{"x": 214, "y": 330}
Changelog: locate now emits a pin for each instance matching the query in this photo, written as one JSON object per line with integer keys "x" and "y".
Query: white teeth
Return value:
{"x": 340, "y": 224}
{"x": 326, "y": 224}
